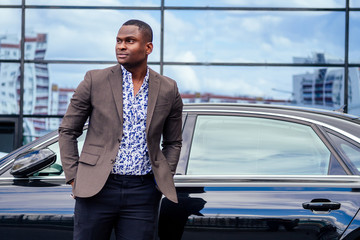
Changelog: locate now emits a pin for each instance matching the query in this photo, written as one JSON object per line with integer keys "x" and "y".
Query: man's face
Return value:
{"x": 131, "y": 47}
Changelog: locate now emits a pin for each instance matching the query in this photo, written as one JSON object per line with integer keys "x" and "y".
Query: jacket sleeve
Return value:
{"x": 72, "y": 125}
{"x": 172, "y": 132}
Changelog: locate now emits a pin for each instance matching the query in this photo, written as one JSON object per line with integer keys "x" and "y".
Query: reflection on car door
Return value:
{"x": 251, "y": 208}
{"x": 258, "y": 178}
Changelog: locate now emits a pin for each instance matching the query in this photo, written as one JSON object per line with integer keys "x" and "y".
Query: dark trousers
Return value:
{"x": 127, "y": 204}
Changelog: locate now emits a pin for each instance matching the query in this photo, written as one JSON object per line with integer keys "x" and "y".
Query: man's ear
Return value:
{"x": 149, "y": 48}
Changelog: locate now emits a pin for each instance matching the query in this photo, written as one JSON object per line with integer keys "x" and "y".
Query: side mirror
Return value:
{"x": 31, "y": 162}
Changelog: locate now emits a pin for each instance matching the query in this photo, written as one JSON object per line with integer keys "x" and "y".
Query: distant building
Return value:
{"x": 9, "y": 75}
{"x": 36, "y": 81}
{"x": 60, "y": 99}
{"x": 324, "y": 86}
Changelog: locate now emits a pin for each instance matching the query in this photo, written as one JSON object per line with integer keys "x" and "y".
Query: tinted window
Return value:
{"x": 231, "y": 145}
{"x": 350, "y": 151}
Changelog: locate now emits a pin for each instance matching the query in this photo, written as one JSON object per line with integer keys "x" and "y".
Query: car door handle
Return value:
{"x": 321, "y": 205}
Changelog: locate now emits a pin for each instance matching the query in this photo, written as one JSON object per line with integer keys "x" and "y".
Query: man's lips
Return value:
{"x": 121, "y": 55}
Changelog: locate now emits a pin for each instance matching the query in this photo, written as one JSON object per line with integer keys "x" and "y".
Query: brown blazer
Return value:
{"x": 99, "y": 97}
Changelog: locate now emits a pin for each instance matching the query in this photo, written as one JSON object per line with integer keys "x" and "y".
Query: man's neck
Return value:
{"x": 138, "y": 73}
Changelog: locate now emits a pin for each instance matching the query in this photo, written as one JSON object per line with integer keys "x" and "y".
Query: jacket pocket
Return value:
{"x": 91, "y": 154}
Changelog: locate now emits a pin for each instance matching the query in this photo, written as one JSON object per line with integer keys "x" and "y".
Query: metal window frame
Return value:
{"x": 162, "y": 8}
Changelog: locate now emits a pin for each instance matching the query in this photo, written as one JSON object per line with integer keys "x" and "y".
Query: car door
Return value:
{"x": 248, "y": 176}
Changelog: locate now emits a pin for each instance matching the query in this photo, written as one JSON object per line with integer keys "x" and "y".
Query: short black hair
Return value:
{"x": 143, "y": 27}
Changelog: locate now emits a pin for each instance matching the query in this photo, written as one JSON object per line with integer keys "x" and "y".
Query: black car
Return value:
{"x": 245, "y": 172}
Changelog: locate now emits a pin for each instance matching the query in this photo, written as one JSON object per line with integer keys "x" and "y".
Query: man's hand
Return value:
{"x": 72, "y": 186}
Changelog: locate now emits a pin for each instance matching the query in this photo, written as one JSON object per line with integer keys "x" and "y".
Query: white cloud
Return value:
{"x": 176, "y": 27}
{"x": 237, "y": 87}
{"x": 10, "y": 21}
{"x": 10, "y": 2}
{"x": 180, "y": 32}
{"x": 187, "y": 56}
{"x": 186, "y": 77}
{"x": 250, "y": 25}
{"x": 92, "y": 2}
{"x": 266, "y": 47}
{"x": 85, "y": 34}
{"x": 289, "y": 3}
{"x": 234, "y": 81}
{"x": 281, "y": 41}
{"x": 257, "y": 24}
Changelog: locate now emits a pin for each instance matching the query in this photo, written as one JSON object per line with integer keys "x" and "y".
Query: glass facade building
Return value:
{"x": 302, "y": 53}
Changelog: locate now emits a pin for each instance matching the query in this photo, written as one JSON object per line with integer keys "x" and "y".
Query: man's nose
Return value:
{"x": 120, "y": 45}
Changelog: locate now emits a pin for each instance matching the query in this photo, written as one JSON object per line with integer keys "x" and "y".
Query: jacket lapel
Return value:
{"x": 154, "y": 86}
{"x": 115, "y": 79}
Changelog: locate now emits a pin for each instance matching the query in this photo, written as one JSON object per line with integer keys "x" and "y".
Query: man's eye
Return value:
{"x": 130, "y": 41}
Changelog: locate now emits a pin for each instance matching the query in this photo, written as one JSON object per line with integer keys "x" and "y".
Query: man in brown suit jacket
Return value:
{"x": 112, "y": 185}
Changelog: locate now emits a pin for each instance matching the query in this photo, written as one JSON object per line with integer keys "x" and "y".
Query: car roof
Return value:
{"x": 343, "y": 121}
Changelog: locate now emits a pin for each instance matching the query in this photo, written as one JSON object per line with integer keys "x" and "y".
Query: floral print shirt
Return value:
{"x": 133, "y": 157}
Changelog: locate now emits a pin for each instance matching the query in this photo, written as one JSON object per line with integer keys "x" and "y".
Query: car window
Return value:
{"x": 235, "y": 145}
{"x": 350, "y": 151}
{"x": 56, "y": 168}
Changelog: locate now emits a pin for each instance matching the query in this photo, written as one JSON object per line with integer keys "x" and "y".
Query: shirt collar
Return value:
{"x": 127, "y": 76}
